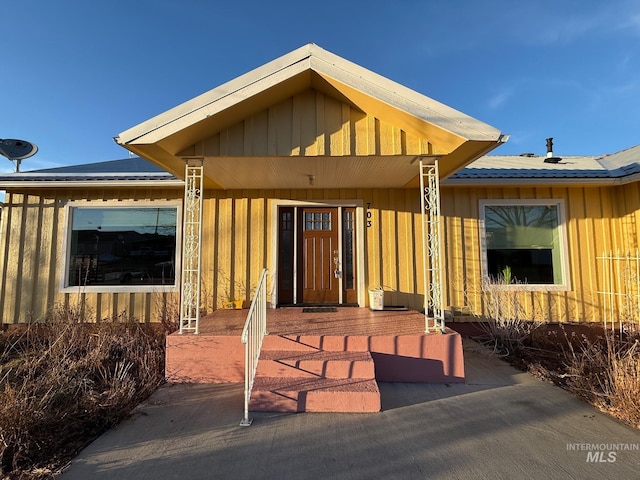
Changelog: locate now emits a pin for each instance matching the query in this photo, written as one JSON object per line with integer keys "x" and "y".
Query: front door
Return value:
{"x": 316, "y": 255}
{"x": 320, "y": 255}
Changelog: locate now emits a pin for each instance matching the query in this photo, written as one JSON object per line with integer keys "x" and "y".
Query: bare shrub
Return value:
{"x": 167, "y": 310}
{"x": 606, "y": 373}
{"x": 506, "y": 321}
{"x": 65, "y": 382}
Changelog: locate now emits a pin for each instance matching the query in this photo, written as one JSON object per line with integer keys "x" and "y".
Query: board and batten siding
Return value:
{"x": 313, "y": 124}
{"x": 32, "y": 250}
{"x": 238, "y": 239}
{"x": 598, "y": 220}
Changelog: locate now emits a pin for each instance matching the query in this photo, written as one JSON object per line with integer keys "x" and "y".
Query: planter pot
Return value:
{"x": 233, "y": 305}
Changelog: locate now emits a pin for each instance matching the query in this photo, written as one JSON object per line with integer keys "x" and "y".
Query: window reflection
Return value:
{"x": 525, "y": 240}
{"x": 115, "y": 246}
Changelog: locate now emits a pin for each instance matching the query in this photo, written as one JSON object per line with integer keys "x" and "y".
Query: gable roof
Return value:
{"x": 307, "y": 58}
{"x": 168, "y": 137}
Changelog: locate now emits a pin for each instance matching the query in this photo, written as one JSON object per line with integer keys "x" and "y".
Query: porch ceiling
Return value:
{"x": 312, "y": 172}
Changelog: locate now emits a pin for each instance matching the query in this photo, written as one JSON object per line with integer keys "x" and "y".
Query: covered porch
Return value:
{"x": 326, "y": 176}
{"x": 319, "y": 170}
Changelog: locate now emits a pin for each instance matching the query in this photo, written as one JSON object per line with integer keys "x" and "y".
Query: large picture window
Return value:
{"x": 121, "y": 246}
{"x": 524, "y": 241}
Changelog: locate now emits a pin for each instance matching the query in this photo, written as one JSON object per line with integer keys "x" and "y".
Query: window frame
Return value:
{"x": 128, "y": 288}
{"x": 559, "y": 203}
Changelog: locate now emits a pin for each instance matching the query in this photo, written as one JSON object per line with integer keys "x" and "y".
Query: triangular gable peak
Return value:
{"x": 312, "y": 123}
{"x": 311, "y": 103}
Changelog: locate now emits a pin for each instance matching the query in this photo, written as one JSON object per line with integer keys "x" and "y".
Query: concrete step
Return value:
{"x": 318, "y": 363}
{"x": 332, "y": 343}
{"x": 348, "y": 395}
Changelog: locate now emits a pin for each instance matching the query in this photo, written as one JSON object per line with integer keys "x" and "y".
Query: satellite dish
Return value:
{"x": 17, "y": 150}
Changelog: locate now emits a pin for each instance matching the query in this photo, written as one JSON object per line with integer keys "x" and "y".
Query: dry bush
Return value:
{"x": 606, "y": 373}
{"x": 63, "y": 383}
{"x": 506, "y": 324}
{"x": 167, "y": 310}
{"x": 622, "y": 382}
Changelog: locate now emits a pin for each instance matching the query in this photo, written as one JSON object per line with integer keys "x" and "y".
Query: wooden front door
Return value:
{"x": 312, "y": 264}
{"x": 320, "y": 252}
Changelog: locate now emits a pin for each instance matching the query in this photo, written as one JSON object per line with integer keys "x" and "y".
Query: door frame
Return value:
{"x": 359, "y": 253}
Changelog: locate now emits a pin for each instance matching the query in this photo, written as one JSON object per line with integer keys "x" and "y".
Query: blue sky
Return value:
{"x": 77, "y": 73}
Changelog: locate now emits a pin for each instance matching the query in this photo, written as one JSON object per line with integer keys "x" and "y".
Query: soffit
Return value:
{"x": 313, "y": 172}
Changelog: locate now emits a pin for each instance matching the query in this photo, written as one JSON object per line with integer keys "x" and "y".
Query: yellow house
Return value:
{"x": 329, "y": 176}
{"x": 309, "y": 166}
{"x": 312, "y": 182}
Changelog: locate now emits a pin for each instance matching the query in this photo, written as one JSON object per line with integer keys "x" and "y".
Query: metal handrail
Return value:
{"x": 255, "y": 328}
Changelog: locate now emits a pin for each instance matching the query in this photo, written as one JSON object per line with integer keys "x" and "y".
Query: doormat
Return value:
{"x": 319, "y": 309}
{"x": 395, "y": 308}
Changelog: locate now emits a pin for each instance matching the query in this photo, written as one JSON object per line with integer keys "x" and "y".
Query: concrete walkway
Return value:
{"x": 500, "y": 424}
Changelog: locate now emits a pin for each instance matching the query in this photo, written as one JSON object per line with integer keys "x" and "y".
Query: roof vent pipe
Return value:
{"x": 550, "y": 158}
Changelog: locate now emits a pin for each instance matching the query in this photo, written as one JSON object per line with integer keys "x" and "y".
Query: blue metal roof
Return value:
{"x": 134, "y": 164}
{"x": 124, "y": 170}
{"x": 618, "y": 165}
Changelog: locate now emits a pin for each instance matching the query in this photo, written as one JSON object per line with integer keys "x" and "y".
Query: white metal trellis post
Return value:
{"x": 191, "y": 247}
{"x": 620, "y": 288}
{"x": 431, "y": 246}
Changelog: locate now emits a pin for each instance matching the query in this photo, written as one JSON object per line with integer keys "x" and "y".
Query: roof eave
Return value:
{"x": 555, "y": 181}
{"x": 20, "y": 184}
{"x": 310, "y": 57}
{"x": 403, "y": 98}
{"x": 225, "y": 95}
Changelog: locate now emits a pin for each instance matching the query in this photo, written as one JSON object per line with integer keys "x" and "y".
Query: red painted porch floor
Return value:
{"x": 318, "y": 361}
{"x": 345, "y": 321}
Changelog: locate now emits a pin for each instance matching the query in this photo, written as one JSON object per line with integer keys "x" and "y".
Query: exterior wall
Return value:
{"x": 31, "y": 258}
{"x": 238, "y": 239}
{"x": 627, "y": 198}
{"x": 599, "y": 219}
{"x": 239, "y": 236}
